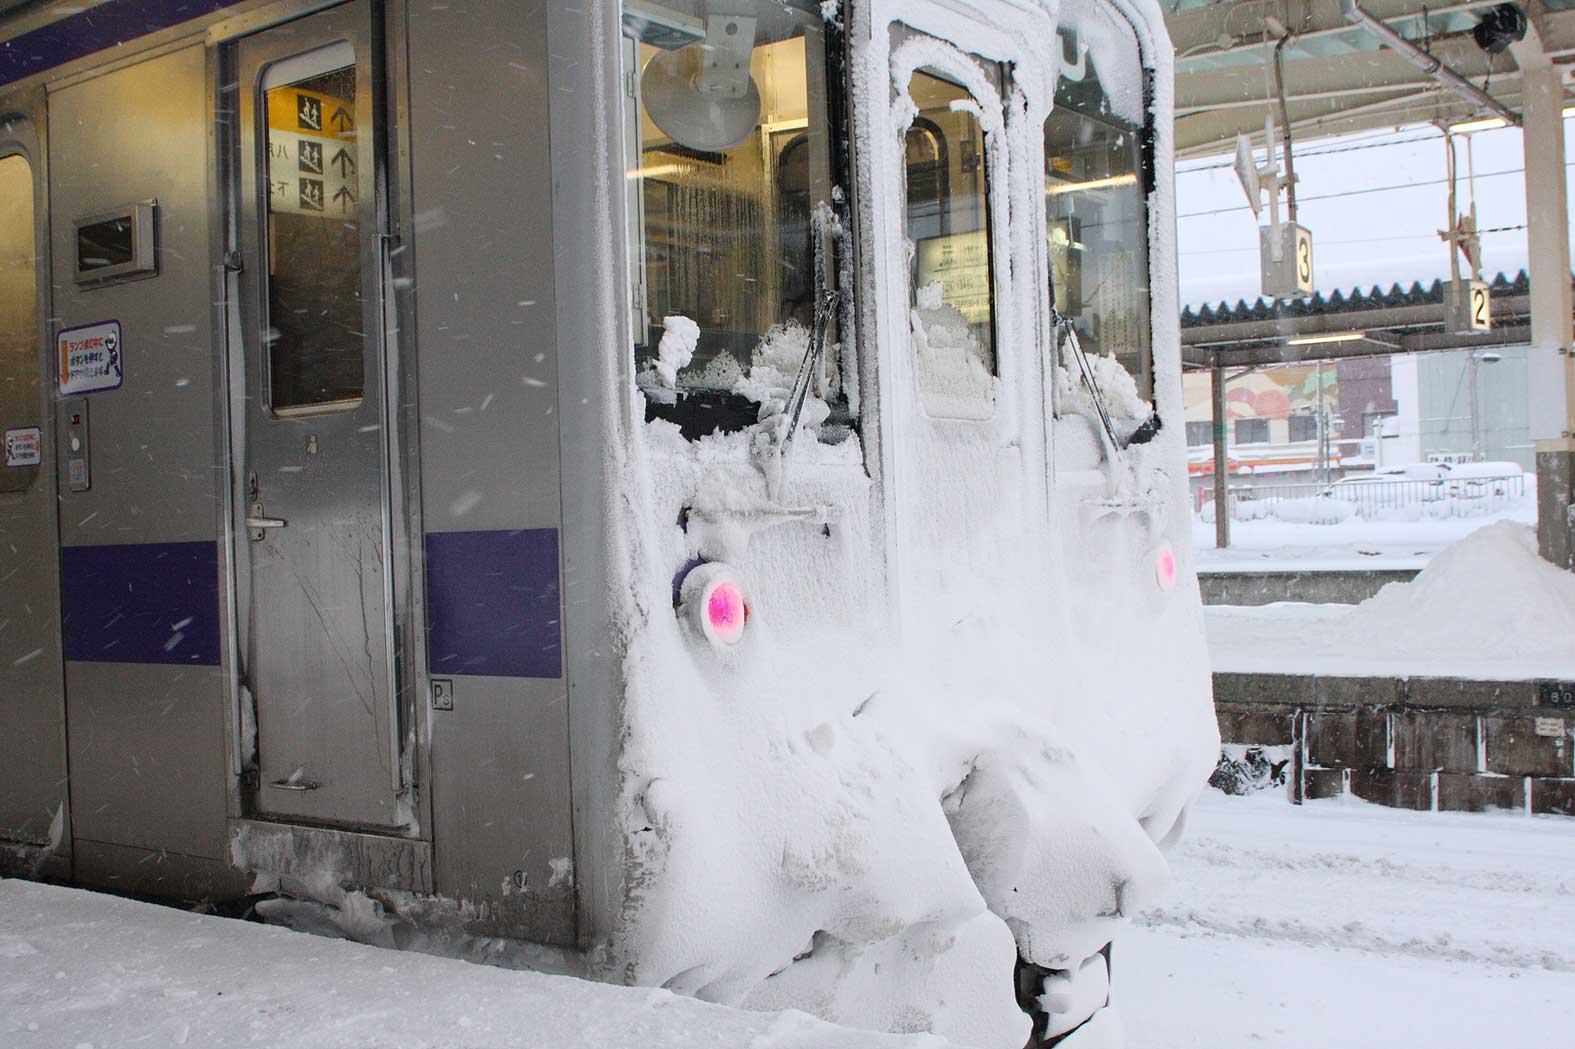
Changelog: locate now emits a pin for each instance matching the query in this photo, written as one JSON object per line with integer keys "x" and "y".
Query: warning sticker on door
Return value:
{"x": 24, "y": 446}
{"x": 90, "y": 357}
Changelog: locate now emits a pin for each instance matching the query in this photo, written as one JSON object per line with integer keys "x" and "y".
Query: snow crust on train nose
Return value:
{"x": 872, "y": 828}
{"x": 821, "y": 819}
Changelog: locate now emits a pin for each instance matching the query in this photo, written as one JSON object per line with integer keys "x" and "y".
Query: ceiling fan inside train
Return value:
{"x": 697, "y": 87}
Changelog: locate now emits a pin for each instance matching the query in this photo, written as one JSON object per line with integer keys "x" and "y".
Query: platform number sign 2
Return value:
{"x": 1481, "y": 307}
{"x": 1304, "y": 264}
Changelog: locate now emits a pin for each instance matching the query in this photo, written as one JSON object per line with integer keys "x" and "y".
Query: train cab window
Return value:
{"x": 948, "y": 226}
{"x": 19, "y": 350}
{"x": 1097, "y": 178}
{"x": 731, "y": 176}
{"x": 315, "y": 352}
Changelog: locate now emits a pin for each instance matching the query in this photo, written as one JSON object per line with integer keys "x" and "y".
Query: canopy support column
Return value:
{"x": 1551, "y": 368}
{"x": 1221, "y": 463}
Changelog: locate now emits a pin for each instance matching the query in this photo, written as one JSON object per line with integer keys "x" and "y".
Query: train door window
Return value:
{"x": 315, "y": 351}
{"x": 730, "y": 132}
{"x": 952, "y": 274}
{"x": 1097, "y": 178}
{"x": 19, "y": 350}
{"x": 927, "y": 162}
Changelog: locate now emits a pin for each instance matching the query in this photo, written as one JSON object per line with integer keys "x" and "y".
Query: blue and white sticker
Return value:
{"x": 91, "y": 358}
{"x": 24, "y": 446}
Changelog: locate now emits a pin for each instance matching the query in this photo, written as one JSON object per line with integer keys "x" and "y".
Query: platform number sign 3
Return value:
{"x": 1304, "y": 264}
{"x": 1481, "y": 307}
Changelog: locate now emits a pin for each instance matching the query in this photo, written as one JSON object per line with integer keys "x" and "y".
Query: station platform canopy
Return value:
{"x": 1338, "y": 75}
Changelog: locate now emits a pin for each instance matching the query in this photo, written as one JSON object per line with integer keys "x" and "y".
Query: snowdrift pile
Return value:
{"x": 1491, "y": 592}
{"x": 1487, "y": 608}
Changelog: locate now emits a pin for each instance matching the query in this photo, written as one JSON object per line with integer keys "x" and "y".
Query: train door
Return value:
{"x": 32, "y": 706}
{"x": 959, "y": 463}
{"x": 312, "y": 455}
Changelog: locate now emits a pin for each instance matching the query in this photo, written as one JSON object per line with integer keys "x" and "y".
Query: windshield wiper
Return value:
{"x": 1066, "y": 333}
{"x": 826, "y": 307}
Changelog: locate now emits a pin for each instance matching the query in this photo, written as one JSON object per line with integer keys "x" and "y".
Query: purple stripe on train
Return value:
{"x": 492, "y": 604}
{"x": 141, "y": 603}
{"x": 95, "y": 29}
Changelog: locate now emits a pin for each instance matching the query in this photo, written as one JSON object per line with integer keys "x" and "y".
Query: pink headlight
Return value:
{"x": 1165, "y": 567}
{"x": 712, "y": 599}
{"x": 726, "y": 611}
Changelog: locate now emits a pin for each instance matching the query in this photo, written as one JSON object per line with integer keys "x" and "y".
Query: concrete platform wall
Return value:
{"x": 1262, "y": 588}
{"x": 1441, "y": 744}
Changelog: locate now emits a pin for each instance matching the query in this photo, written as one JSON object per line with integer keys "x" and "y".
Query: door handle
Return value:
{"x": 257, "y": 523}
{"x": 297, "y": 784}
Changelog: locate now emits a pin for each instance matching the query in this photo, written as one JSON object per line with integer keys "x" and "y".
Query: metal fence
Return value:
{"x": 1377, "y": 499}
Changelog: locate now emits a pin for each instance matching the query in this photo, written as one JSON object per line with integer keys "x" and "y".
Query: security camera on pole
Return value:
{"x": 1284, "y": 248}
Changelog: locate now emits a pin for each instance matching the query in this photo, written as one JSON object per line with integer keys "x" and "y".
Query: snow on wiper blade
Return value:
{"x": 1068, "y": 335}
{"x": 830, "y": 300}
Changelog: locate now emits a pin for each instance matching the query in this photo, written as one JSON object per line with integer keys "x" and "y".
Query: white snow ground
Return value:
{"x": 1349, "y": 924}
{"x": 82, "y": 970}
{"x": 1337, "y": 923}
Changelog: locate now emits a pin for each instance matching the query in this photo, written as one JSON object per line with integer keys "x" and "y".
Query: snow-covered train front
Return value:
{"x": 685, "y": 484}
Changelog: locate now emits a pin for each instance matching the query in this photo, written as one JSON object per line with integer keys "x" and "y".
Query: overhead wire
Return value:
{"x": 1361, "y": 192}
{"x": 1306, "y": 151}
{"x": 1381, "y": 140}
{"x": 1354, "y": 240}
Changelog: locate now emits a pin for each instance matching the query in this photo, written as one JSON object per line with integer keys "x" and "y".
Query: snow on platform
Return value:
{"x": 1340, "y": 923}
{"x": 1353, "y": 545}
{"x": 1487, "y": 608}
{"x": 80, "y": 969}
{"x": 1333, "y": 924}
{"x": 1351, "y": 557}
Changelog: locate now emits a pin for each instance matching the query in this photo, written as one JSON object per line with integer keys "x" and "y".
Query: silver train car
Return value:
{"x": 481, "y": 454}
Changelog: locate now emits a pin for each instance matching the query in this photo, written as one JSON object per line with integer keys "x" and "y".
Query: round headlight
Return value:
{"x": 712, "y": 598}
{"x": 1165, "y": 567}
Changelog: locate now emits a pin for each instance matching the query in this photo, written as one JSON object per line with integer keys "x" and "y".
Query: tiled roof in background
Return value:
{"x": 1340, "y": 302}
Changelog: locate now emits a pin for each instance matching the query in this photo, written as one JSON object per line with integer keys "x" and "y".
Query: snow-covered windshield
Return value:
{"x": 948, "y": 212}
{"x": 951, "y": 278}
{"x": 1096, "y": 189}
{"x": 732, "y": 166}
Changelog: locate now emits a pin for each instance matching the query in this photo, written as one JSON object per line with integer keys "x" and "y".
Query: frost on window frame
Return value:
{"x": 732, "y": 128}
{"x": 1098, "y": 176}
{"x": 948, "y": 105}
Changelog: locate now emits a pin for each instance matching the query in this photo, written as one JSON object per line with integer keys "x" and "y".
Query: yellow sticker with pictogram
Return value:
{"x": 313, "y": 153}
